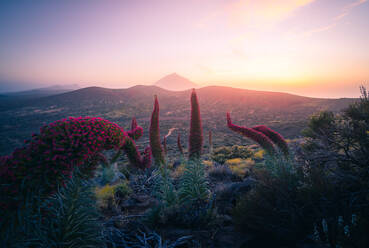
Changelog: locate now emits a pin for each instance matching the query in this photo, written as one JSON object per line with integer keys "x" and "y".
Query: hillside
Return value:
{"x": 21, "y": 98}
{"x": 285, "y": 112}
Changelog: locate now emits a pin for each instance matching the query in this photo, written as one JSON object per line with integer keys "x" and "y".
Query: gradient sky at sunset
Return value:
{"x": 309, "y": 47}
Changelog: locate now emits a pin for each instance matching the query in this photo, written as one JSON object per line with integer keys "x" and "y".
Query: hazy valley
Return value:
{"x": 23, "y": 114}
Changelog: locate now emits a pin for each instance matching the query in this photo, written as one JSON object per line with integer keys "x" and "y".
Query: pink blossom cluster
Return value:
{"x": 51, "y": 156}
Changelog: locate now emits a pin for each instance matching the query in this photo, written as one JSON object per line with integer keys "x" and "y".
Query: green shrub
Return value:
{"x": 194, "y": 186}
{"x": 336, "y": 158}
{"x": 187, "y": 206}
{"x": 122, "y": 190}
{"x": 321, "y": 196}
{"x": 67, "y": 219}
{"x": 164, "y": 189}
{"x": 274, "y": 207}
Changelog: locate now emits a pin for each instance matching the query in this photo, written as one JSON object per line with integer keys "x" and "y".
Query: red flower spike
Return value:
{"x": 275, "y": 137}
{"x": 250, "y": 133}
{"x": 133, "y": 123}
{"x": 134, "y": 156}
{"x": 136, "y": 131}
{"x": 147, "y": 161}
{"x": 196, "y": 136}
{"x": 180, "y": 148}
{"x": 155, "y": 142}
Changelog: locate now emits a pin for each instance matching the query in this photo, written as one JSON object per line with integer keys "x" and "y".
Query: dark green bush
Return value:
{"x": 324, "y": 195}
{"x": 274, "y": 207}
{"x": 187, "y": 205}
{"x": 67, "y": 219}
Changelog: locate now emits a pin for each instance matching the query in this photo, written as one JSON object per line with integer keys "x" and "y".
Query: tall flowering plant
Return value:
{"x": 250, "y": 133}
{"x": 50, "y": 157}
{"x": 196, "y": 136}
{"x": 275, "y": 137}
{"x": 263, "y": 135}
{"x": 155, "y": 142}
{"x": 179, "y": 145}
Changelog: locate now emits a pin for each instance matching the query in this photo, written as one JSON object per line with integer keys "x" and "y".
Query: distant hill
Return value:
{"x": 287, "y": 113}
{"x": 46, "y": 91}
{"x": 212, "y": 98}
{"x": 175, "y": 82}
{"x": 9, "y": 100}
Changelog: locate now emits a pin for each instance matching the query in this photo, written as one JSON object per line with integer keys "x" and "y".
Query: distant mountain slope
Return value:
{"x": 212, "y": 99}
{"x": 175, "y": 82}
{"x": 284, "y": 112}
{"x": 47, "y": 91}
{"x": 10, "y": 100}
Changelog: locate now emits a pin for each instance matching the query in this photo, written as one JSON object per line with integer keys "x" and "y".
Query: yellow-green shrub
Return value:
{"x": 240, "y": 167}
{"x": 109, "y": 194}
{"x": 259, "y": 154}
{"x": 105, "y": 196}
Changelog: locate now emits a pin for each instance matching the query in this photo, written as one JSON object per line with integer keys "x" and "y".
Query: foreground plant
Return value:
{"x": 196, "y": 136}
{"x": 50, "y": 157}
{"x": 69, "y": 218}
{"x": 275, "y": 137}
{"x": 155, "y": 141}
{"x": 256, "y": 136}
{"x": 179, "y": 145}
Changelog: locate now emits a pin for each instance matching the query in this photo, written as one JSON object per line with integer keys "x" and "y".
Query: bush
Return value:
{"x": 122, "y": 190}
{"x": 259, "y": 154}
{"x": 240, "y": 167}
{"x": 222, "y": 173}
{"x": 50, "y": 158}
{"x": 105, "y": 196}
{"x": 221, "y": 154}
{"x": 194, "y": 185}
{"x": 336, "y": 156}
{"x": 109, "y": 196}
{"x": 322, "y": 196}
{"x": 274, "y": 207}
{"x": 67, "y": 219}
{"x": 187, "y": 206}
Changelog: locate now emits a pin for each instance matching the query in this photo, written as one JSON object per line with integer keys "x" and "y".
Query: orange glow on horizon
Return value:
{"x": 309, "y": 47}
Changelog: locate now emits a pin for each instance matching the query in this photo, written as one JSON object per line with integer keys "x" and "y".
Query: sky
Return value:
{"x": 315, "y": 48}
